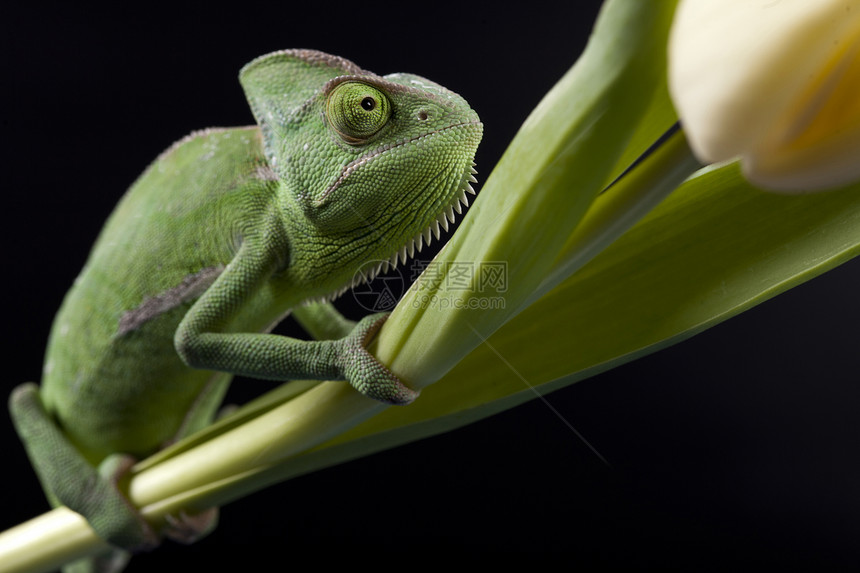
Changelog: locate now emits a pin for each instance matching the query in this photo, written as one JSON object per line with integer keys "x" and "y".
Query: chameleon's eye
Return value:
{"x": 357, "y": 110}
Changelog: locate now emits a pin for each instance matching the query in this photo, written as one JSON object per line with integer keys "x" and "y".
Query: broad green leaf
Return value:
{"x": 715, "y": 248}
{"x": 545, "y": 183}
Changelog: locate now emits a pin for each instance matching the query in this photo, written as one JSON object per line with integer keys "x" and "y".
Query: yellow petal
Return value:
{"x": 774, "y": 83}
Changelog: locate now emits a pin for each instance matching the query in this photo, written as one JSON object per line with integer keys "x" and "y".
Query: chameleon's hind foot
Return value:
{"x": 119, "y": 522}
{"x": 188, "y": 528}
{"x": 183, "y": 528}
{"x": 70, "y": 480}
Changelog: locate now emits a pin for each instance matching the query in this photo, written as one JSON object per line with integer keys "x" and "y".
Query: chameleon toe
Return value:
{"x": 365, "y": 373}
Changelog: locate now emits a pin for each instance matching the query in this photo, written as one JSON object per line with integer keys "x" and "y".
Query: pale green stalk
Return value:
{"x": 47, "y": 542}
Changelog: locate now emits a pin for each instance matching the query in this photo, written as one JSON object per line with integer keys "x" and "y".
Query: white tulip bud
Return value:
{"x": 775, "y": 83}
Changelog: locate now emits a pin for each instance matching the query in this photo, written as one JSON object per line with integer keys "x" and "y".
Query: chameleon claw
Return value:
{"x": 188, "y": 528}
{"x": 365, "y": 373}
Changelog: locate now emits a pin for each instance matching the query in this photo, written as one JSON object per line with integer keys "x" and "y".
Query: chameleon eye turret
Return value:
{"x": 356, "y": 111}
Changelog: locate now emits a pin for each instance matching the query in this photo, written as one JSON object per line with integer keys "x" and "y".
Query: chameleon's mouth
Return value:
{"x": 442, "y": 222}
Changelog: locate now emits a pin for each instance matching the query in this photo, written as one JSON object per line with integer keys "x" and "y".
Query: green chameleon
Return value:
{"x": 227, "y": 232}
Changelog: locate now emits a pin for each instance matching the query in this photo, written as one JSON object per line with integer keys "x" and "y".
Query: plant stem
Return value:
{"x": 47, "y": 542}
{"x": 227, "y": 467}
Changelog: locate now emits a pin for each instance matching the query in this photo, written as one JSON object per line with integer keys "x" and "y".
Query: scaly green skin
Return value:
{"x": 222, "y": 235}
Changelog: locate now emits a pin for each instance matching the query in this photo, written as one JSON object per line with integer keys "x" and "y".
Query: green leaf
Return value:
{"x": 544, "y": 185}
{"x": 715, "y": 248}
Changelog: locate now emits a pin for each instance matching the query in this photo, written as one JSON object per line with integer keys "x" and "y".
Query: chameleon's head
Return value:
{"x": 377, "y": 161}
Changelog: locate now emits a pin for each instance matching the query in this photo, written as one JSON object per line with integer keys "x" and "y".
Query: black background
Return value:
{"x": 737, "y": 447}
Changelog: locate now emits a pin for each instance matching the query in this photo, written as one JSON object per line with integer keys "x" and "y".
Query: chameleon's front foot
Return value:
{"x": 365, "y": 373}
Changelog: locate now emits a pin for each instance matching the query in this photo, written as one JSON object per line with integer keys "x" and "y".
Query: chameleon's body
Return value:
{"x": 225, "y": 233}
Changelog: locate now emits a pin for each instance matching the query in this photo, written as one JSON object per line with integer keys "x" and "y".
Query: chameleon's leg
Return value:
{"x": 277, "y": 357}
{"x": 322, "y": 321}
{"x": 202, "y": 343}
{"x": 70, "y": 480}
